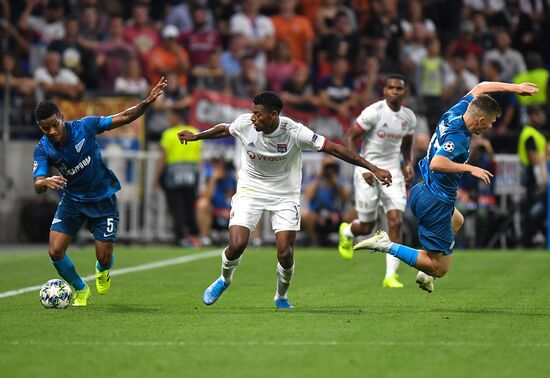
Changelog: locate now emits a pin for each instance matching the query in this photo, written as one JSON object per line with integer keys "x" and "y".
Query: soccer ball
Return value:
{"x": 56, "y": 293}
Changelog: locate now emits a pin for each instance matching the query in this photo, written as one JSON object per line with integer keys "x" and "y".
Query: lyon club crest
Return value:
{"x": 281, "y": 148}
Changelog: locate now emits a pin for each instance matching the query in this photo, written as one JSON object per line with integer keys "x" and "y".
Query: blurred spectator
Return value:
{"x": 201, "y": 40}
{"x": 538, "y": 74}
{"x": 326, "y": 196}
{"x": 174, "y": 98}
{"x": 47, "y": 26}
{"x": 297, "y": 91}
{"x": 14, "y": 41}
{"x": 250, "y": 81}
{"x": 231, "y": 58}
{"x": 178, "y": 175}
{"x": 132, "y": 81}
{"x": 464, "y": 43}
{"x": 21, "y": 90}
{"x": 222, "y": 11}
{"x": 92, "y": 25}
{"x": 476, "y": 198}
{"x": 325, "y": 20}
{"x": 482, "y": 35}
{"x": 532, "y": 148}
{"x": 53, "y": 79}
{"x": 169, "y": 57}
{"x": 505, "y": 130}
{"x": 141, "y": 34}
{"x": 336, "y": 90}
{"x": 510, "y": 59}
{"x": 430, "y": 77}
{"x": 416, "y": 17}
{"x": 214, "y": 204}
{"x": 413, "y": 50}
{"x": 113, "y": 53}
{"x": 280, "y": 67}
{"x": 257, "y": 30}
{"x": 383, "y": 30}
{"x": 211, "y": 76}
{"x": 181, "y": 15}
{"x": 459, "y": 80}
{"x": 369, "y": 83}
{"x": 296, "y": 30}
{"x": 75, "y": 56}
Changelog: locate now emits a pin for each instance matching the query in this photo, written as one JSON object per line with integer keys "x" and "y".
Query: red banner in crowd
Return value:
{"x": 211, "y": 108}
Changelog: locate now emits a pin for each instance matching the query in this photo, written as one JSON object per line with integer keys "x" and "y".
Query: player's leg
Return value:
{"x": 309, "y": 223}
{"x": 285, "y": 220}
{"x": 65, "y": 225}
{"x": 204, "y": 215}
{"x": 246, "y": 212}
{"x": 103, "y": 218}
{"x": 395, "y": 221}
{"x": 366, "y": 203}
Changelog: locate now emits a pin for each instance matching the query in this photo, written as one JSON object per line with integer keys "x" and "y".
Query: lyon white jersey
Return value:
{"x": 271, "y": 164}
{"x": 384, "y": 132}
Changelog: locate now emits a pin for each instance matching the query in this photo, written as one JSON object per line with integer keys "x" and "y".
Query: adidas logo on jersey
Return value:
{"x": 79, "y": 145}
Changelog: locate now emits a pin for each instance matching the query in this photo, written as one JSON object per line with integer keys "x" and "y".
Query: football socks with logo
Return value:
{"x": 284, "y": 276}
{"x": 228, "y": 267}
{"x": 67, "y": 271}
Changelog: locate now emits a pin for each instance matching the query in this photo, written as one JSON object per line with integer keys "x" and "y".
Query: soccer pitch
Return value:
{"x": 490, "y": 317}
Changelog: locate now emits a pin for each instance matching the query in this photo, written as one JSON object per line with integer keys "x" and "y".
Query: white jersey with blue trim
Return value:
{"x": 271, "y": 164}
{"x": 78, "y": 160}
{"x": 451, "y": 140}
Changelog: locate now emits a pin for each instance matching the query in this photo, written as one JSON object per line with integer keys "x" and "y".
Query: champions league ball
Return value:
{"x": 56, "y": 293}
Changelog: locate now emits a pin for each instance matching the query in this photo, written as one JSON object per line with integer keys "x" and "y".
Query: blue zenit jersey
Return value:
{"x": 79, "y": 160}
{"x": 451, "y": 140}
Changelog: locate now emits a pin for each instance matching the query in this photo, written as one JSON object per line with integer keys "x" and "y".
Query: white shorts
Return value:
{"x": 368, "y": 198}
{"x": 284, "y": 212}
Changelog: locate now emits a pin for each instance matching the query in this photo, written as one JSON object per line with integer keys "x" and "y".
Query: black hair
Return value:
{"x": 269, "y": 100}
{"x": 485, "y": 104}
{"x": 45, "y": 109}
{"x": 397, "y": 76}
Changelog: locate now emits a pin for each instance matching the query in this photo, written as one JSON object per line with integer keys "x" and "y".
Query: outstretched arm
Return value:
{"x": 137, "y": 111}
{"x": 42, "y": 183}
{"x": 523, "y": 89}
{"x": 221, "y": 130}
{"x": 350, "y": 156}
{"x": 440, "y": 163}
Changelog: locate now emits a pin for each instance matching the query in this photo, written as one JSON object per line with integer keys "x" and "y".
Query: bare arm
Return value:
{"x": 406, "y": 150}
{"x": 350, "y": 156}
{"x": 221, "y": 130}
{"x": 349, "y": 137}
{"x": 523, "y": 89}
{"x": 42, "y": 183}
{"x": 440, "y": 163}
{"x": 137, "y": 111}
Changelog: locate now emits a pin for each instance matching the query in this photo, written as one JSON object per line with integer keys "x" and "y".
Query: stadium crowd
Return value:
{"x": 329, "y": 56}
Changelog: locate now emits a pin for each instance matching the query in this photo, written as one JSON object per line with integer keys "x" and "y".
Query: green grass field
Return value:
{"x": 490, "y": 317}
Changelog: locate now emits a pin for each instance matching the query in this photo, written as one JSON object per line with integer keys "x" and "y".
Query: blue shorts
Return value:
{"x": 102, "y": 217}
{"x": 434, "y": 220}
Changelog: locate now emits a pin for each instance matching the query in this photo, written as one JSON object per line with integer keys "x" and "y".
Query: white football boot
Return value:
{"x": 425, "y": 282}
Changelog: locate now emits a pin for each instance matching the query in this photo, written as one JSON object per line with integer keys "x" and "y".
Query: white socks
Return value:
{"x": 284, "y": 276}
{"x": 228, "y": 267}
{"x": 392, "y": 263}
{"x": 347, "y": 232}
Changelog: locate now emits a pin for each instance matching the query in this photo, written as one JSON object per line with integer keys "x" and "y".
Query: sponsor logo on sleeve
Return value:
{"x": 34, "y": 167}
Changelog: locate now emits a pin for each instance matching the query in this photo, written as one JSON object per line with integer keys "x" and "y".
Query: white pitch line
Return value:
{"x": 132, "y": 269}
{"x": 299, "y": 343}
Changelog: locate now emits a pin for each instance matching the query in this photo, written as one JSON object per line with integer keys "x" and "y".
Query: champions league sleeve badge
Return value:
{"x": 449, "y": 146}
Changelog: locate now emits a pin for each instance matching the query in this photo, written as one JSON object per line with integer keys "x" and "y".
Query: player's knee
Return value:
{"x": 203, "y": 204}
{"x": 366, "y": 228}
{"x": 56, "y": 253}
{"x": 237, "y": 243}
{"x": 395, "y": 222}
{"x": 457, "y": 221}
{"x": 440, "y": 271}
{"x": 285, "y": 252}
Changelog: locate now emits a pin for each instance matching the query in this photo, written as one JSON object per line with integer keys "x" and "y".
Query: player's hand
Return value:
{"x": 482, "y": 174}
{"x": 55, "y": 182}
{"x": 527, "y": 89}
{"x": 186, "y": 136}
{"x": 408, "y": 172}
{"x": 158, "y": 89}
{"x": 383, "y": 175}
{"x": 369, "y": 178}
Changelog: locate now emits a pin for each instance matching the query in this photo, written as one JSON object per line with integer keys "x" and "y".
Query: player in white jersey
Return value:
{"x": 270, "y": 179}
{"x": 386, "y": 128}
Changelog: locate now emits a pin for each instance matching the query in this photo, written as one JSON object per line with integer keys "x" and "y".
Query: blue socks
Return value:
{"x": 102, "y": 268}
{"x": 66, "y": 270}
{"x": 404, "y": 253}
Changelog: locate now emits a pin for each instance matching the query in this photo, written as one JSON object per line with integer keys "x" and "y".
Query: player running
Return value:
{"x": 387, "y": 129}
{"x": 432, "y": 200}
{"x": 270, "y": 179}
{"x": 89, "y": 186}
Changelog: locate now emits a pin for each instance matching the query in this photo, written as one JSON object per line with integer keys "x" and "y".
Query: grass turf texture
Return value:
{"x": 490, "y": 317}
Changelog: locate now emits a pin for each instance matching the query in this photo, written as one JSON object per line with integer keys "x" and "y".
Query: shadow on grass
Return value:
{"x": 495, "y": 311}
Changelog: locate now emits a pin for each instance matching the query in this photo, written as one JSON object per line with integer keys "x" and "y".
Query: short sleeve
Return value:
{"x": 97, "y": 125}
{"x": 236, "y": 127}
{"x": 452, "y": 147}
{"x": 460, "y": 107}
{"x": 412, "y": 123}
{"x": 308, "y": 140}
{"x": 40, "y": 165}
{"x": 368, "y": 118}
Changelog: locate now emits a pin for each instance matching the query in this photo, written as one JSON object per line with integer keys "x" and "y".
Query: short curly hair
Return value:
{"x": 45, "y": 109}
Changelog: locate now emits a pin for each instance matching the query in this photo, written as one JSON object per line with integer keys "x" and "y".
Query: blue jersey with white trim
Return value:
{"x": 79, "y": 160}
{"x": 451, "y": 140}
